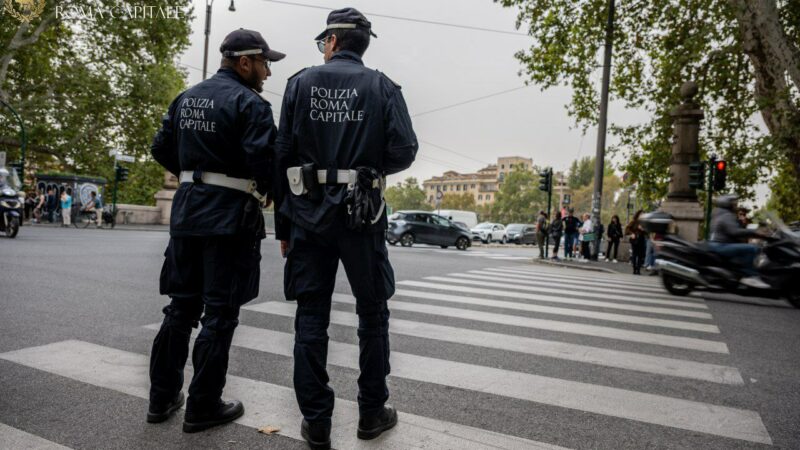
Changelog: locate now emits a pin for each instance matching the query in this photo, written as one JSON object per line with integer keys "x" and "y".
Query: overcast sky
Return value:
{"x": 436, "y": 65}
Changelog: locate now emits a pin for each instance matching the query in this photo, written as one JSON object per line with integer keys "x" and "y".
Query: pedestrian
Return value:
{"x": 556, "y": 231}
{"x": 66, "y": 208}
{"x": 571, "y": 226}
{"x": 30, "y": 204}
{"x": 51, "y": 205}
{"x": 596, "y": 244}
{"x": 638, "y": 244}
{"x": 94, "y": 205}
{"x": 586, "y": 237}
{"x": 222, "y": 158}
{"x": 332, "y": 162}
{"x": 614, "y": 236}
{"x": 541, "y": 232}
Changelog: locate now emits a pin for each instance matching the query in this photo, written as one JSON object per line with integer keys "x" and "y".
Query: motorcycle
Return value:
{"x": 10, "y": 211}
{"x": 692, "y": 266}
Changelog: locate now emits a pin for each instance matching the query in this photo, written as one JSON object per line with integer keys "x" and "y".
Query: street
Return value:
{"x": 489, "y": 350}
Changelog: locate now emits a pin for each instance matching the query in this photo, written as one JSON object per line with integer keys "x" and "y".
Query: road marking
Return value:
{"x": 13, "y": 438}
{"x": 615, "y": 279}
{"x": 538, "y": 281}
{"x": 594, "y": 355}
{"x": 265, "y": 403}
{"x": 502, "y": 341}
{"x": 650, "y": 408}
{"x": 504, "y": 292}
{"x": 526, "y": 321}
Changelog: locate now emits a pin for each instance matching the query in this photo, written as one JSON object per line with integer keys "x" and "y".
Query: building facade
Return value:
{"x": 482, "y": 185}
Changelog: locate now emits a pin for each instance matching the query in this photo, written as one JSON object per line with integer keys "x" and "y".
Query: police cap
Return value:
{"x": 243, "y": 42}
{"x": 346, "y": 19}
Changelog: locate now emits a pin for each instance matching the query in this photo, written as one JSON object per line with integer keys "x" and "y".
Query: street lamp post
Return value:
{"x": 23, "y": 139}
{"x": 209, "y": 4}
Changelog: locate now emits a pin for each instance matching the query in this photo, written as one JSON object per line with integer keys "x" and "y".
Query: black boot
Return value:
{"x": 225, "y": 412}
{"x": 372, "y": 427}
{"x": 160, "y": 413}
{"x": 317, "y": 435}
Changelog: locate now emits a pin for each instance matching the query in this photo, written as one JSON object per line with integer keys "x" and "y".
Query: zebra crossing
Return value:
{"x": 600, "y": 322}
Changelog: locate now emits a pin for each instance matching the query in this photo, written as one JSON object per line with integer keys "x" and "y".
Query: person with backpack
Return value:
{"x": 541, "y": 232}
{"x": 571, "y": 226}
{"x": 614, "y": 236}
{"x": 556, "y": 231}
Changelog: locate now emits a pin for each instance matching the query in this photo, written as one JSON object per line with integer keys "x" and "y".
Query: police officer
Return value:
{"x": 218, "y": 138}
{"x": 343, "y": 128}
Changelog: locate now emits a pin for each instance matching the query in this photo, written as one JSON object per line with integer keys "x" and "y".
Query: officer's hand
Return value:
{"x": 284, "y": 248}
{"x": 267, "y": 203}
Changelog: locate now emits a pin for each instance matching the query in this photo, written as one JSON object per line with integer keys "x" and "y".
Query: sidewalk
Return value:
{"x": 597, "y": 266}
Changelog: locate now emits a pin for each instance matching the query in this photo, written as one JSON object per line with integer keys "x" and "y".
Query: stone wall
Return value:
{"x": 138, "y": 215}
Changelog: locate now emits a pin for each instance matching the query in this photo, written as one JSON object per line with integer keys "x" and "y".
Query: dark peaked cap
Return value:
{"x": 346, "y": 19}
{"x": 243, "y": 42}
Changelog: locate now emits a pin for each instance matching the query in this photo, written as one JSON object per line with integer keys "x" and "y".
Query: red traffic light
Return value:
{"x": 721, "y": 165}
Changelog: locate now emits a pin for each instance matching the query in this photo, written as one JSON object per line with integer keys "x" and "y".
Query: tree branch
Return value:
{"x": 17, "y": 42}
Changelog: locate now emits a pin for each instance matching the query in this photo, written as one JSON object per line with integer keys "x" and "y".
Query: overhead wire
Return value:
{"x": 473, "y": 100}
{"x": 408, "y": 19}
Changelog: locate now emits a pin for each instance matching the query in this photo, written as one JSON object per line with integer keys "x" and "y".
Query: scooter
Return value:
{"x": 692, "y": 266}
{"x": 10, "y": 207}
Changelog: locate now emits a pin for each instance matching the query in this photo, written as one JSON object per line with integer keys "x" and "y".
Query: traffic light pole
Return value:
{"x": 116, "y": 182}
{"x": 549, "y": 200}
{"x": 709, "y": 195}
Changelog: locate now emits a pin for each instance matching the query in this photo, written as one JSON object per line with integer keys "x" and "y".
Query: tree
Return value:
{"x": 519, "y": 198}
{"x": 84, "y": 86}
{"x": 614, "y": 200}
{"x": 581, "y": 172}
{"x": 743, "y": 54}
{"x": 407, "y": 196}
{"x": 463, "y": 202}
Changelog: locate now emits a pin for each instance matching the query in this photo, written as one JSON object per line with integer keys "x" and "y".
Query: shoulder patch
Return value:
{"x": 389, "y": 79}
{"x": 298, "y": 73}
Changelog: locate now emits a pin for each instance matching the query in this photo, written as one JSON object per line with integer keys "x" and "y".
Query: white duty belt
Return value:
{"x": 222, "y": 180}
{"x": 297, "y": 186}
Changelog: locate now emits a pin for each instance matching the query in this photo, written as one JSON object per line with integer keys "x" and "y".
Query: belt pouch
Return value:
{"x": 311, "y": 182}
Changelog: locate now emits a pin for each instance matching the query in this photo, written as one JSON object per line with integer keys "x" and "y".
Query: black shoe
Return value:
{"x": 224, "y": 413}
{"x": 372, "y": 427}
{"x": 317, "y": 435}
{"x": 160, "y": 413}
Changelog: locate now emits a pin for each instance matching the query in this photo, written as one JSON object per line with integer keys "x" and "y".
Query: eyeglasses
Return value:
{"x": 321, "y": 44}
{"x": 267, "y": 63}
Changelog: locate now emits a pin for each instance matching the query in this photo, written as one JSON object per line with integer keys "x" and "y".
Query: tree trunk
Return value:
{"x": 776, "y": 66}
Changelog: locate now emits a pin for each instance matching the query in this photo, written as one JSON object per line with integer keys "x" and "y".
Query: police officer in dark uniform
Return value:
{"x": 218, "y": 138}
{"x": 343, "y": 128}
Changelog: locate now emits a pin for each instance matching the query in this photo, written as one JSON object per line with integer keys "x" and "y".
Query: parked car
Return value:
{"x": 455, "y": 215}
{"x": 422, "y": 227}
{"x": 488, "y": 232}
{"x": 521, "y": 233}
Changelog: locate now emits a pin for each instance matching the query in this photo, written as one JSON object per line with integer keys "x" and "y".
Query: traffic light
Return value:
{"x": 697, "y": 175}
{"x": 720, "y": 175}
{"x": 545, "y": 180}
{"x": 122, "y": 173}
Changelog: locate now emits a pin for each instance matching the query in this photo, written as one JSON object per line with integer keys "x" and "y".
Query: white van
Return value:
{"x": 468, "y": 218}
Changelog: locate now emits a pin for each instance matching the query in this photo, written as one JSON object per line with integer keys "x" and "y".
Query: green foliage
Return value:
{"x": 462, "y": 202}
{"x": 785, "y": 198}
{"x": 581, "y": 172}
{"x": 519, "y": 198}
{"x": 614, "y": 199}
{"x": 660, "y": 44}
{"x": 407, "y": 196}
{"x": 84, "y": 87}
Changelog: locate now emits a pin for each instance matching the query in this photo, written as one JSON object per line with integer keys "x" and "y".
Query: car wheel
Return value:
{"x": 13, "y": 228}
{"x": 676, "y": 286}
{"x": 444, "y": 246}
{"x": 392, "y": 242}
{"x": 462, "y": 243}
{"x": 407, "y": 240}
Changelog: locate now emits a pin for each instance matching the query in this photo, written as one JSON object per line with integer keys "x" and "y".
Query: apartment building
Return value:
{"x": 482, "y": 185}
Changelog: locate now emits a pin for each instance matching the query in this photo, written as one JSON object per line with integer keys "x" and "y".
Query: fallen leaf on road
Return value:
{"x": 269, "y": 430}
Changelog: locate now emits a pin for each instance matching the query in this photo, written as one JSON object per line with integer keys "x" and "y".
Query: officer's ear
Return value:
{"x": 334, "y": 40}
{"x": 245, "y": 63}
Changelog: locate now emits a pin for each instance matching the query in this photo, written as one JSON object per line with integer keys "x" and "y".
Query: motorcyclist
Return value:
{"x": 4, "y": 175}
{"x": 727, "y": 236}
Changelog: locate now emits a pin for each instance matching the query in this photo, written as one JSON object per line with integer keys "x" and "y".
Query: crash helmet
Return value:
{"x": 728, "y": 201}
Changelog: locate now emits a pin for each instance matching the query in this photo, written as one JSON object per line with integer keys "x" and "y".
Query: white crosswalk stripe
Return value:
{"x": 12, "y": 438}
{"x": 641, "y": 331}
{"x": 267, "y": 404}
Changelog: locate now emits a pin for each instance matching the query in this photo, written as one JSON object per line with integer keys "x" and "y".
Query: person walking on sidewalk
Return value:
{"x": 638, "y": 242}
{"x": 571, "y": 226}
{"x": 556, "y": 230}
{"x": 586, "y": 237}
{"x": 66, "y": 208}
{"x": 541, "y": 232}
{"x": 614, "y": 236}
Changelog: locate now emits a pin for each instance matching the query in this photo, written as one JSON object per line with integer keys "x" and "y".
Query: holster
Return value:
{"x": 365, "y": 204}
{"x": 311, "y": 182}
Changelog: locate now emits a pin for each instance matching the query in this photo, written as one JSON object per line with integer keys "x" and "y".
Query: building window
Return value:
{"x": 458, "y": 187}
{"x": 472, "y": 186}
{"x": 488, "y": 196}
{"x": 444, "y": 188}
{"x": 430, "y": 199}
{"x": 465, "y": 187}
{"x": 502, "y": 166}
{"x": 480, "y": 196}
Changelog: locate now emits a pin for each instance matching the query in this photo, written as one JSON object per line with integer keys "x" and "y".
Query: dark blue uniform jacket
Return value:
{"x": 222, "y": 126}
{"x": 341, "y": 115}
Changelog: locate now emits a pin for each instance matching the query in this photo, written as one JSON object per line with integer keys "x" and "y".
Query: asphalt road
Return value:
{"x": 489, "y": 351}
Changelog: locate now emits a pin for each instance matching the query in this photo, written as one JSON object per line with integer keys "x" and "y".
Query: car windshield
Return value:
{"x": 396, "y": 216}
{"x": 484, "y": 226}
{"x": 515, "y": 227}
